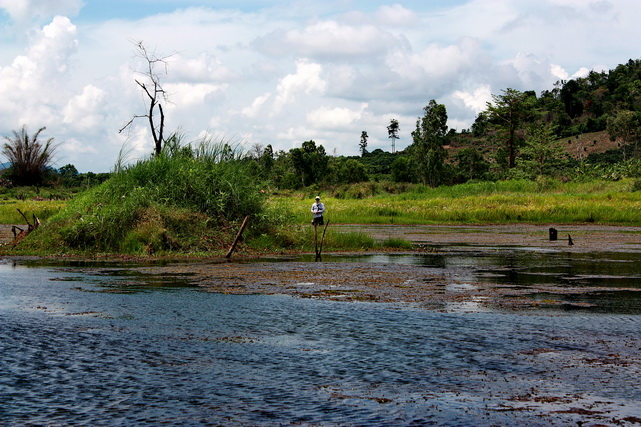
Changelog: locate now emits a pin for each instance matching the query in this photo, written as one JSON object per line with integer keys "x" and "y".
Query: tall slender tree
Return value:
{"x": 427, "y": 150}
{"x": 508, "y": 112}
{"x": 362, "y": 146}
{"x": 393, "y": 130}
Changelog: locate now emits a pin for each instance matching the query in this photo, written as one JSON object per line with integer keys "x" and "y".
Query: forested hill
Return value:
{"x": 584, "y": 104}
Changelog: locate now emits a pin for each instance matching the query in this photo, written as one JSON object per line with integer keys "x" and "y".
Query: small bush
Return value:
{"x": 396, "y": 243}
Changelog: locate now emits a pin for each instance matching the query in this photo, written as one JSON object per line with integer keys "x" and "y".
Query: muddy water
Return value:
{"x": 95, "y": 344}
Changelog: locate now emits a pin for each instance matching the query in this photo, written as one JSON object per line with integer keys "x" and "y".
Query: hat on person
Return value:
{"x": 317, "y": 197}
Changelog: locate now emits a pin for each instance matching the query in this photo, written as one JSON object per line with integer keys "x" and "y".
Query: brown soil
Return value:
{"x": 585, "y": 238}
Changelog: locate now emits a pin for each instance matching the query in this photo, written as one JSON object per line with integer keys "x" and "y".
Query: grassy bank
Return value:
{"x": 541, "y": 202}
{"x": 187, "y": 200}
{"x": 193, "y": 203}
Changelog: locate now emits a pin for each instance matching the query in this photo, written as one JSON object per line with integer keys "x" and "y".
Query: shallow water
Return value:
{"x": 90, "y": 348}
{"x": 602, "y": 282}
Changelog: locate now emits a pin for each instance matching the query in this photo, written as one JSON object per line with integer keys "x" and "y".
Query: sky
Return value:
{"x": 284, "y": 72}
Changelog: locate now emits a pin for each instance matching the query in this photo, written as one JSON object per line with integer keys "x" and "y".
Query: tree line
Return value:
{"x": 518, "y": 135}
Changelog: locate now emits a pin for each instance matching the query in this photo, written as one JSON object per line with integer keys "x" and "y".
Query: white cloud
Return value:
{"x": 477, "y": 100}
{"x": 292, "y": 71}
{"x": 204, "y": 68}
{"x": 256, "y": 106}
{"x": 396, "y": 15}
{"x": 84, "y": 112}
{"x": 558, "y": 72}
{"x": 48, "y": 56}
{"x": 583, "y": 72}
{"x": 185, "y": 95}
{"x": 306, "y": 80}
{"x": 437, "y": 61}
{"x": 329, "y": 40}
{"x": 334, "y": 118}
{"x": 33, "y": 87}
{"x": 24, "y": 11}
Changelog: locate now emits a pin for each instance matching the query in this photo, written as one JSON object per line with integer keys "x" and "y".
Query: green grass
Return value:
{"x": 535, "y": 202}
{"x": 300, "y": 238}
{"x": 185, "y": 200}
{"x": 193, "y": 203}
{"x": 43, "y": 209}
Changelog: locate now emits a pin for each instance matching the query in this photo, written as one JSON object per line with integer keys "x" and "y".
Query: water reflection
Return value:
{"x": 611, "y": 280}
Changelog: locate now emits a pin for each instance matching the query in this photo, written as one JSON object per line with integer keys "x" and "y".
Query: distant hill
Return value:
{"x": 578, "y": 146}
{"x": 577, "y": 110}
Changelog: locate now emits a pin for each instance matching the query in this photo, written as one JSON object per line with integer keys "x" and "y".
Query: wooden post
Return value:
{"x": 316, "y": 240}
{"x": 320, "y": 250}
{"x": 240, "y": 233}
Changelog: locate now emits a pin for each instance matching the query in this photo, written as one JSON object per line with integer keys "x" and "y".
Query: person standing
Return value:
{"x": 318, "y": 209}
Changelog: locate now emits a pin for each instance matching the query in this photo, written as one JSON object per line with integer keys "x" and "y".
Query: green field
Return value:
{"x": 600, "y": 202}
{"x": 483, "y": 203}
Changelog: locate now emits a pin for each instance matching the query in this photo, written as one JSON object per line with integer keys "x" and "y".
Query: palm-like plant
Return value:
{"x": 29, "y": 157}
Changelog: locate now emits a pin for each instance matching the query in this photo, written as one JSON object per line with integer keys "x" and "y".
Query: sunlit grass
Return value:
{"x": 43, "y": 209}
{"x": 482, "y": 203}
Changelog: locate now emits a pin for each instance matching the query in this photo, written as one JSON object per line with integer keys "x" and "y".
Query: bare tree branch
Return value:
{"x": 155, "y": 94}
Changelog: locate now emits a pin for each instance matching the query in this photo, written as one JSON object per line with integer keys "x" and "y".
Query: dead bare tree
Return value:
{"x": 154, "y": 92}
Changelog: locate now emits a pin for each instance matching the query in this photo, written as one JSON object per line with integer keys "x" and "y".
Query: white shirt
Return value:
{"x": 318, "y": 209}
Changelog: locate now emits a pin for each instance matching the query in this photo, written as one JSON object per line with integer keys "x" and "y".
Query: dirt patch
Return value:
{"x": 585, "y": 238}
{"x": 6, "y": 235}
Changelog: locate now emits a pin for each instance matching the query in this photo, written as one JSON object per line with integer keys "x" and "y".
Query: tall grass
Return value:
{"x": 300, "y": 238}
{"x": 187, "y": 198}
{"x": 491, "y": 202}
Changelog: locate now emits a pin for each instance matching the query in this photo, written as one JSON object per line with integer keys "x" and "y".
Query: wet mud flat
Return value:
{"x": 585, "y": 237}
{"x": 506, "y": 267}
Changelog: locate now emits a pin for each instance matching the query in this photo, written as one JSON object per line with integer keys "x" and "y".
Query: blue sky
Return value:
{"x": 280, "y": 73}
